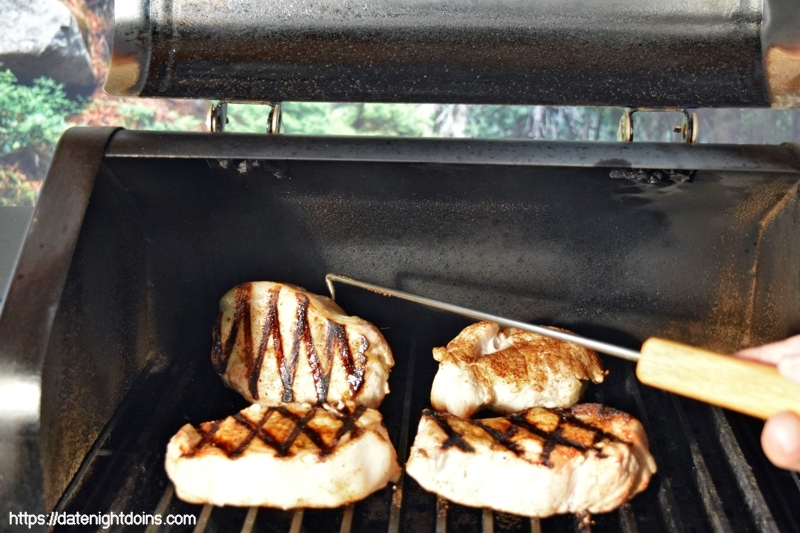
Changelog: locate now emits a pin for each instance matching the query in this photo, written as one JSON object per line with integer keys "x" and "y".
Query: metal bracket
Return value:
{"x": 218, "y": 116}
{"x": 687, "y": 128}
{"x": 275, "y": 119}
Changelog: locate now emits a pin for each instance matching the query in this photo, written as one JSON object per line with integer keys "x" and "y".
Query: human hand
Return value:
{"x": 781, "y": 436}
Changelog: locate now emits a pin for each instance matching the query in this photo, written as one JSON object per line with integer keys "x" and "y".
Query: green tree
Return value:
{"x": 316, "y": 118}
{"x": 32, "y": 117}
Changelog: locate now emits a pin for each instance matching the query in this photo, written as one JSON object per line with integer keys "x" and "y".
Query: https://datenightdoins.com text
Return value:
{"x": 104, "y": 520}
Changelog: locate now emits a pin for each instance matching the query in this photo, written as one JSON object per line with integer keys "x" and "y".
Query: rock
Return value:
{"x": 42, "y": 38}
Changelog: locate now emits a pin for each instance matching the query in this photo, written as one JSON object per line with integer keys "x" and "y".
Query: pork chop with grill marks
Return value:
{"x": 588, "y": 459}
{"x": 276, "y": 343}
{"x": 510, "y": 370}
{"x": 289, "y": 456}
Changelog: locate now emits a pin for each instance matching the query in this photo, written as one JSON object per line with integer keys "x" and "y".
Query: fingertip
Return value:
{"x": 781, "y": 440}
{"x": 789, "y": 367}
{"x": 773, "y": 352}
{"x": 767, "y": 354}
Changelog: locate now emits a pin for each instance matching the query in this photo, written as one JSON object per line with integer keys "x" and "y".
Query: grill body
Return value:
{"x": 167, "y": 223}
{"x": 658, "y": 53}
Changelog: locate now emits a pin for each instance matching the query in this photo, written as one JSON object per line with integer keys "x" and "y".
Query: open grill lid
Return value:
{"x": 634, "y": 53}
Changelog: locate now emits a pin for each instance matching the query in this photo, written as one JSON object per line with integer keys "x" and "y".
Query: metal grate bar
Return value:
{"x": 250, "y": 520}
{"x": 402, "y": 452}
{"x": 744, "y": 474}
{"x": 397, "y": 503}
{"x": 347, "y": 519}
{"x": 488, "y": 521}
{"x": 708, "y": 492}
{"x": 441, "y": 515}
{"x": 163, "y": 503}
{"x": 202, "y": 520}
{"x": 627, "y": 522}
{"x": 297, "y": 521}
{"x": 666, "y": 498}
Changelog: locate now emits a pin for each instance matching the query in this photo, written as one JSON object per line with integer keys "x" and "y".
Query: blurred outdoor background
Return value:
{"x": 53, "y": 70}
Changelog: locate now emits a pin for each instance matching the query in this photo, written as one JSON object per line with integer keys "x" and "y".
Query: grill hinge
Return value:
{"x": 218, "y": 116}
{"x": 687, "y": 128}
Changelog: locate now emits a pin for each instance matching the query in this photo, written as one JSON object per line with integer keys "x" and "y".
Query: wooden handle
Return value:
{"x": 751, "y": 388}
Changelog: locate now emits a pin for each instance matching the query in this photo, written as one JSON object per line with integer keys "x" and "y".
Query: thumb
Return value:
{"x": 789, "y": 367}
{"x": 781, "y": 440}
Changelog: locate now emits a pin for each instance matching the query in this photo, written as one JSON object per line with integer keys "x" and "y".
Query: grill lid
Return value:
{"x": 635, "y": 53}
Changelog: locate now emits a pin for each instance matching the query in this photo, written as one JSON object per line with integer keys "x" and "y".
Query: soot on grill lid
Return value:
{"x": 634, "y": 53}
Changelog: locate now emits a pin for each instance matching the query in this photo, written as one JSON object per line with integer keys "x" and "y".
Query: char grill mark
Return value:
{"x": 321, "y": 367}
{"x": 353, "y": 366}
{"x": 239, "y": 450}
{"x": 502, "y": 437}
{"x": 301, "y": 426}
{"x": 599, "y": 434}
{"x": 207, "y": 436}
{"x": 519, "y": 422}
{"x": 556, "y": 438}
{"x": 336, "y": 340}
{"x": 241, "y": 315}
{"x": 270, "y": 330}
{"x": 256, "y": 430}
{"x": 300, "y": 331}
{"x": 349, "y": 423}
{"x": 551, "y": 438}
{"x": 453, "y": 437}
{"x": 320, "y": 370}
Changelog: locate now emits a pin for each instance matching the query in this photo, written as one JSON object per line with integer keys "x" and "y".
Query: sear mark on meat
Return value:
{"x": 279, "y": 343}
{"x": 587, "y": 459}
{"x": 287, "y": 456}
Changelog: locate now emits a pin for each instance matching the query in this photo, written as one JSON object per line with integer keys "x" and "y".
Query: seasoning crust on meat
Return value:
{"x": 289, "y": 456}
{"x": 275, "y": 342}
{"x": 510, "y": 370}
{"x": 535, "y": 463}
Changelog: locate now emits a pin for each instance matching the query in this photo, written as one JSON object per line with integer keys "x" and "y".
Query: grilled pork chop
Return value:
{"x": 293, "y": 455}
{"x": 536, "y": 463}
{"x": 276, "y": 343}
{"x": 510, "y": 370}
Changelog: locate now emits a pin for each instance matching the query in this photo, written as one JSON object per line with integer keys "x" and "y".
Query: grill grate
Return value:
{"x": 712, "y": 476}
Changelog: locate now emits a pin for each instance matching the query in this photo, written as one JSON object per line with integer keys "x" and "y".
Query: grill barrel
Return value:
{"x": 174, "y": 220}
{"x": 650, "y": 53}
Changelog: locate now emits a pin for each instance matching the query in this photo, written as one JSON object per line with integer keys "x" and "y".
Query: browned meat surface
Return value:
{"x": 278, "y": 343}
{"x": 588, "y": 459}
{"x": 293, "y": 455}
{"x": 510, "y": 370}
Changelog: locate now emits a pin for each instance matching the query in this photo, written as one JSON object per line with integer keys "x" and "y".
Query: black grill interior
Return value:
{"x": 164, "y": 239}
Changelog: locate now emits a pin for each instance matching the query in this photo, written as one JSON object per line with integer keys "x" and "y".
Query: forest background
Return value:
{"x": 33, "y": 116}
